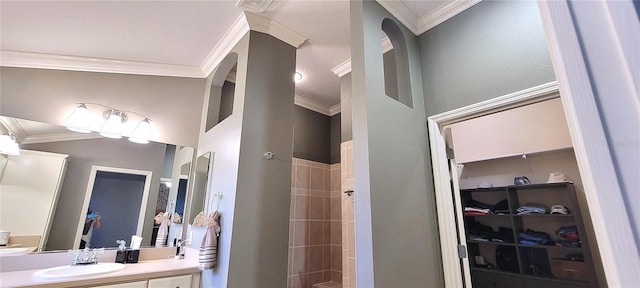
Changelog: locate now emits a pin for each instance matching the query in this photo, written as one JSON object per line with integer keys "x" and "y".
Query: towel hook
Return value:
{"x": 269, "y": 155}
{"x": 349, "y": 192}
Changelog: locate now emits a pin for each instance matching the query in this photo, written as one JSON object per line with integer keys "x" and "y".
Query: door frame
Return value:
{"x": 87, "y": 197}
{"x": 453, "y": 269}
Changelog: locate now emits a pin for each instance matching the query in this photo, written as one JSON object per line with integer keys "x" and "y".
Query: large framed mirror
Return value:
{"x": 87, "y": 172}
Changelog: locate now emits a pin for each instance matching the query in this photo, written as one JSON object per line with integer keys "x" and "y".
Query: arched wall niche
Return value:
{"x": 398, "y": 86}
{"x": 222, "y": 91}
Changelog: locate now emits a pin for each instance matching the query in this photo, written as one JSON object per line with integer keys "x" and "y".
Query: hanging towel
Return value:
{"x": 163, "y": 232}
{"x": 209, "y": 247}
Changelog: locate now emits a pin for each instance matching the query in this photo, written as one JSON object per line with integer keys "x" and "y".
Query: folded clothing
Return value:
{"x": 480, "y": 232}
{"x": 476, "y": 211}
{"x": 568, "y": 236}
{"x": 532, "y": 237}
{"x": 531, "y": 208}
{"x": 502, "y": 207}
{"x": 504, "y": 235}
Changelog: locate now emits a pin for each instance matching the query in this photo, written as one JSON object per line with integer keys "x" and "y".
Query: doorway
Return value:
{"x": 120, "y": 197}
{"x": 447, "y": 181}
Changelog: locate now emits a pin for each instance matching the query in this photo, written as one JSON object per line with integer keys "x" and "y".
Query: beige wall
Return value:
{"x": 529, "y": 129}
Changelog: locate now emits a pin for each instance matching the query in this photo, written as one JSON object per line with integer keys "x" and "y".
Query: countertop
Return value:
{"x": 132, "y": 272}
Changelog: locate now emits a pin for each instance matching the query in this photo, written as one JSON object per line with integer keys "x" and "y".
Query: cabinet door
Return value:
{"x": 139, "y": 284}
{"x": 171, "y": 282}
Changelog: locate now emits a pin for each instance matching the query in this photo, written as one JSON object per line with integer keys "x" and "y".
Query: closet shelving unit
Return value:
{"x": 533, "y": 262}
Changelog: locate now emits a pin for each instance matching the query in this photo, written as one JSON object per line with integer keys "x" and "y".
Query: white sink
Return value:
{"x": 14, "y": 251}
{"x": 68, "y": 271}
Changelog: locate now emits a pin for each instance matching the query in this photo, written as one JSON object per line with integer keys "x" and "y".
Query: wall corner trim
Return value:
{"x": 443, "y": 13}
{"x": 343, "y": 68}
{"x": 335, "y": 109}
{"x": 275, "y": 29}
{"x": 229, "y": 40}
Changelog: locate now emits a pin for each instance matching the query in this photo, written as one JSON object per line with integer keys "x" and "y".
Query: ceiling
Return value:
{"x": 180, "y": 38}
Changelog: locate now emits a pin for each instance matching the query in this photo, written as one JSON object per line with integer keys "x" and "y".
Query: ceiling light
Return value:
{"x": 142, "y": 133}
{"x": 113, "y": 127}
{"x": 79, "y": 120}
{"x": 9, "y": 145}
{"x": 297, "y": 76}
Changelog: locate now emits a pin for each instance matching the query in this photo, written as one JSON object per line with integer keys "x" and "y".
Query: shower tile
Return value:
{"x": 316, "y": 209}
{"x": 300, "y": 260}
{"x": 315, "y": 258}
{"x": 326, "y": 175}
{"x": 326, "y": 276}
{"x": 336, "y": 276}
{"x": 327, "y": 232}
{"x": 315, "y": 278}
{"x": 300, "y": 281}
{"x": 302, "y": 176}
{"x": 316, "y": 232}
{"x": 326, "y": 208}
{"x": 326, "y": 255}
{"x": 301, "y": 233}
{"x": 317, "y": 178}
{"x": 302, "y": 207}
{"x": 336, "y": 257}
{"x": 336, "y": 209}
{"x": 336, "y": 233}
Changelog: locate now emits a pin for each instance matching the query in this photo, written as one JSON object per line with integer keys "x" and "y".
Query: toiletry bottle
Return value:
{"x": 121, "y": 254}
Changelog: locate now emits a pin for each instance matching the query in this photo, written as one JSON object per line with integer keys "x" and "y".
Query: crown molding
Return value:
{"x": 60, "y": 137}
{"x": 222, "y": 49}
{"x": 311, "y": 105}
{"x": 419, "y": 25}
{"x": 443, "y": 13}
{"x": 343, "y": 68}
{"x": 402, "y": 13}
{"x": 73, "y": 63}
{"x": 274, "y": 28}
{"x": 335, "y": 109}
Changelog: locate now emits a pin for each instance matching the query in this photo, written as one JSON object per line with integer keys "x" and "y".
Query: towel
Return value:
{"x": 163, "y": 232}
{"x": 209, "y": 247}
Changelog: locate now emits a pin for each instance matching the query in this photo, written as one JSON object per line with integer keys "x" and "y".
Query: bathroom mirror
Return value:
{"x": 200, "y": 188}
{"x": 163, "y": 161}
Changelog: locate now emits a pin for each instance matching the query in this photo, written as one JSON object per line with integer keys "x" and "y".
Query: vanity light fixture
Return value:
{"x": 9, "y": 145}
{"x": 297, "y": 77}
{"x": 113, "y": 126}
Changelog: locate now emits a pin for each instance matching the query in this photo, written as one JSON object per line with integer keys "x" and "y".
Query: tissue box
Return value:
{"x": 132, "y": 255}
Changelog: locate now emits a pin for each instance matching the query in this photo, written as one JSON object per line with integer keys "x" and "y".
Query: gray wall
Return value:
{"x": 335, "y": 138}
{"x": 492, "y": 49}
{"x": 312, "y": 135}
{"x": 173, "y": 103}
{"x": 83, "y": 154}
{"x": 261, "y": 221}
{"x": 397, "y": 240}
{"x": 255, "y": 208}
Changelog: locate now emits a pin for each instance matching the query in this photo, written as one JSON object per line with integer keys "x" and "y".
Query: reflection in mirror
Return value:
{"x": 70, "y": 157}
{"x": 200, "y": 188}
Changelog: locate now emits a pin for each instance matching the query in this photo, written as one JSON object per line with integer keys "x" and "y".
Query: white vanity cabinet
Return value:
{"x": 171, "y": 282}
{"x": 183, "y": 281}
{"x": 137, "y": 284}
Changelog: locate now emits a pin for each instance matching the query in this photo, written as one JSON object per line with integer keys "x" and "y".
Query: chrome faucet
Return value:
{"x": 86, "y": 256}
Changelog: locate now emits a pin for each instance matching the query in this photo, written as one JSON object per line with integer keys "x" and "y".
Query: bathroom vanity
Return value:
{"x": 150, "y": 273}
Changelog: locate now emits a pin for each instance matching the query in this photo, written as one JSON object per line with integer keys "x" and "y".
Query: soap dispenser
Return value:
{"x": 121, "y": 254}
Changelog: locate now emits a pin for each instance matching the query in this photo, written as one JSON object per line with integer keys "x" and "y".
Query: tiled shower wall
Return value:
{"x": 348, "y": 218}
{"x": 315, "y": 238}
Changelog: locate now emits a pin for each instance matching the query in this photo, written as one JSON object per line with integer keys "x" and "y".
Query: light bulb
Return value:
{"x": 142, "y": 133}
{"x": 78, "y": 120}
{"x": 112, "y": 128}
